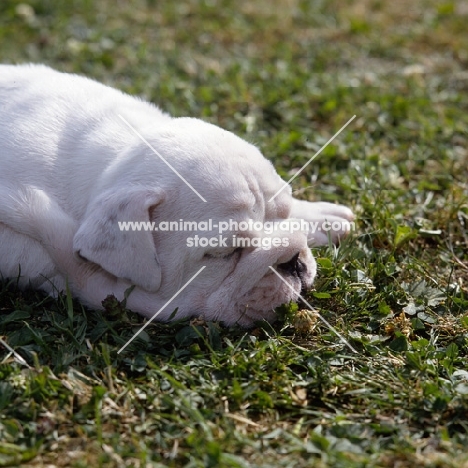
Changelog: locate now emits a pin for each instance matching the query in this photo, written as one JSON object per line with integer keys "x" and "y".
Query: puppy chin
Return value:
{"x": 260, "y": 302}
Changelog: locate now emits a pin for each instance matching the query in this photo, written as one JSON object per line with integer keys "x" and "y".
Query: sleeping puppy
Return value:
{"x": 80, "y": 162}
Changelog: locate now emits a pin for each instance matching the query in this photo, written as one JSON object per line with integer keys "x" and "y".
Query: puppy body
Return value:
{"x": 77, "y": 157}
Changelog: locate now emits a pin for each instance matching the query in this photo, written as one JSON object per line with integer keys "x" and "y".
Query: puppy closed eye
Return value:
{"x": 224, "y": 254}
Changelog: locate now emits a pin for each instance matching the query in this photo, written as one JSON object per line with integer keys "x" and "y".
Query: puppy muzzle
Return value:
{"x": 297, "y": 268}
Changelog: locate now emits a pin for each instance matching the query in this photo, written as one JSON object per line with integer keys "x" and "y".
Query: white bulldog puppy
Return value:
{"x": 78, "y": 159}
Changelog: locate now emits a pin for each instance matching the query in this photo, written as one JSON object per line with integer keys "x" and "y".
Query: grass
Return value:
{"x": 195, "y": 394}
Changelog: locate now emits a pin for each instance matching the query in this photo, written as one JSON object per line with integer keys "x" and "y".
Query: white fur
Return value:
{"x": 70, "y": 169}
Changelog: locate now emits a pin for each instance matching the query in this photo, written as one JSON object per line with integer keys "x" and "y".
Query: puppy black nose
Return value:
{"x": 293, "y": 266}
{"x": 290, "y": 266}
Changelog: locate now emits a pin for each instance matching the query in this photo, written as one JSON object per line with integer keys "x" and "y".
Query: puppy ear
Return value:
{"x": 129, "y": 254}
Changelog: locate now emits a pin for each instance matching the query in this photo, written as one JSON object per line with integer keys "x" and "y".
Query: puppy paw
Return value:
{"x": 326, "y": 221}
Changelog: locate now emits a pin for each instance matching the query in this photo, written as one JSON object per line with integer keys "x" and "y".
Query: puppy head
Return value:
{"x": 238, "y": 284}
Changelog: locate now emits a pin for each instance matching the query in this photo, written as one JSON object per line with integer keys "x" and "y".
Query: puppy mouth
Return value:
{"x": 293, "y": 272}
{"x": 279, "y": 279}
